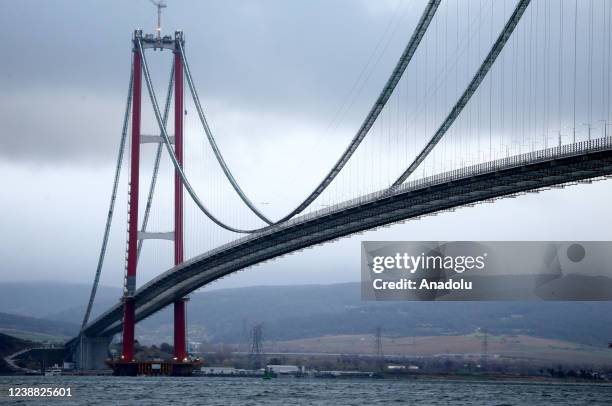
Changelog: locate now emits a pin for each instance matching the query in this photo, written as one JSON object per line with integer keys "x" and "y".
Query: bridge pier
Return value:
{"x": 180, "y": 329}
{"x": 92, "y": 352}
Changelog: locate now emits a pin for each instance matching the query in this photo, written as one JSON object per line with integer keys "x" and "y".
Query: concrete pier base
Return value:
{"x": 91, "y": 353}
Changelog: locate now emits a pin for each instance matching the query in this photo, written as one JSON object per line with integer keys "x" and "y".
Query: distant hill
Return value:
{"x": 305, "y": 311}
{"x": 295, "y": 312}
{"x": 44, "y": 299}
{"x": 54, "y": 328}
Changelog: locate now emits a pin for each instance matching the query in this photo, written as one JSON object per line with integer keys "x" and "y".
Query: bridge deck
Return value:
{"x": 500, "y": 178}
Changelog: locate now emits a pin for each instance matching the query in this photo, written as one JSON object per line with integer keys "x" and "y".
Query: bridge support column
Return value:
{"x": 180, "y": 327}
{"x": 92, "y": 353}
{"x": 129, "y": 318}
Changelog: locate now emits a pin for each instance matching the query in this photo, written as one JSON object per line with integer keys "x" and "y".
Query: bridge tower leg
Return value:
{"x": 180, "y": 350}
{"x": 129, "y": 318}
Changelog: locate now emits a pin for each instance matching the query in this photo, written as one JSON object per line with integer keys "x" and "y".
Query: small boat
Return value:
{"x": 55, "y": 370}
{"x": 268, "y": 374}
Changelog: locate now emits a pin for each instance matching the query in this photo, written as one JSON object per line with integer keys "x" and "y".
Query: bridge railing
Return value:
{"x": 533, "y": 157}
{"x": 598, "y": 144}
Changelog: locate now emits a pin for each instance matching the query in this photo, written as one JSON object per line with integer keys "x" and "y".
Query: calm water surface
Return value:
{"x": 288, "y": 391}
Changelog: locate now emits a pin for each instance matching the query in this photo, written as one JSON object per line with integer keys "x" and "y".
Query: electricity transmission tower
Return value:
{"x": 244, "y": 338}
{"x": 256, "y": 355}
{"x": 485, "y": 348}
{"x": 380, "y": 356}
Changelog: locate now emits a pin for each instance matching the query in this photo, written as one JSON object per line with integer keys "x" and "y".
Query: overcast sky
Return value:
{"x": 285, "y": 85}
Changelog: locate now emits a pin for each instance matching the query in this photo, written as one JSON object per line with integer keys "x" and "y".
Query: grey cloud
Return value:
{"x": 70, "y": 60}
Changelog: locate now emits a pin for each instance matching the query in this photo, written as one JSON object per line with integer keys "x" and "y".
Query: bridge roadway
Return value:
{"x": 500, "y": 178}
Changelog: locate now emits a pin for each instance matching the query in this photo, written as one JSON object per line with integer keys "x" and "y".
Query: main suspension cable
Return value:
{"x": 109, "y": 218}
{"x": 469, "y": 91}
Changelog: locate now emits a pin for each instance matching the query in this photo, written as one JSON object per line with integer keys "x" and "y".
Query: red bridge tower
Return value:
{"x": 181, "y": 364}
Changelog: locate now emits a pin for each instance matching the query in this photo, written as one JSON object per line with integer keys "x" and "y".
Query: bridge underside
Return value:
{"x": 422, "y": 198}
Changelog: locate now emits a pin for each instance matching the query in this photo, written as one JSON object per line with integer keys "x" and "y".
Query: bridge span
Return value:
{"x": 538, "y": 170}
{"x": 523, "y": 116}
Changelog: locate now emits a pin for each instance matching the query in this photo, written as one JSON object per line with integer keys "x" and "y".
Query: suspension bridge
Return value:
{"x": 495, "y": 112}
